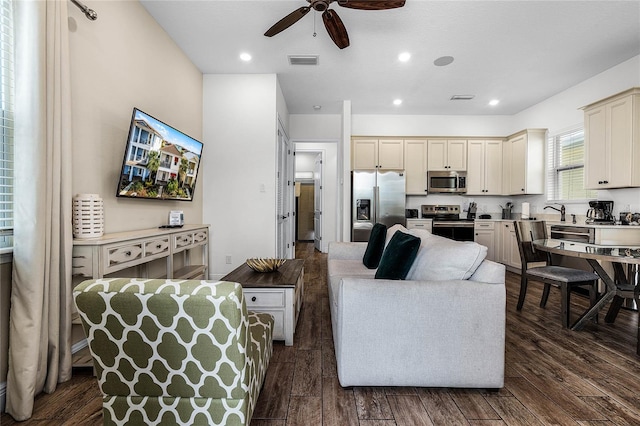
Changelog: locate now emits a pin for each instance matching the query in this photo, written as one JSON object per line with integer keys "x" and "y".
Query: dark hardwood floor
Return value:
{"x": 552, "y": 376}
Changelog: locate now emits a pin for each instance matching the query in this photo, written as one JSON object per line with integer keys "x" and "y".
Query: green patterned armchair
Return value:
{"x": 174, "y": 352}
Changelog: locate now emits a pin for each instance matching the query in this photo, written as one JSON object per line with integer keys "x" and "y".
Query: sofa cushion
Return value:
{"x": 375, "y": 246}
{"x": 392, "y": 230}
{"x": 398, "y": 256}
{"x": 442, "y": 259}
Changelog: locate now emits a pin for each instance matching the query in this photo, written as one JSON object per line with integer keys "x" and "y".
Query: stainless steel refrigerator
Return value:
{"x": 377, "y": 196}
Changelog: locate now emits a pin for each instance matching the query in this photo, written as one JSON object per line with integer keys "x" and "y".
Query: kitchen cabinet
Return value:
{"x": 612, "y": 141}
{"x": 377, "y": 153}
{"x": 484, "y": 171}
{"x": 415, "y": 166}
{"x": 523, "y": 162}
{"x": 426, "y": 224}
{"x": 447, "y": 154}
{"x": 486, "y": 234}
{"x": 510, "y": 254}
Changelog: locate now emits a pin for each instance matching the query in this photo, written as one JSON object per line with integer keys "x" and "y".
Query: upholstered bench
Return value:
{"x": 174, "y": 352}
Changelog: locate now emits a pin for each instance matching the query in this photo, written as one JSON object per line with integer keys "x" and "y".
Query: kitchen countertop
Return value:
{"x": 567, "y": 223}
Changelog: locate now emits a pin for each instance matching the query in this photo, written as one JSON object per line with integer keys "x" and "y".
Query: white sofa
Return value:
{"x": 430, "y": 332}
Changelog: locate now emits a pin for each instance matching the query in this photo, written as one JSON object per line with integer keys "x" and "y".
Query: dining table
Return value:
{"x": 623, "y": 283}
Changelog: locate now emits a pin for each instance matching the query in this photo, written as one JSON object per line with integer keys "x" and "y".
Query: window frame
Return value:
{"x": 554, "y": 191}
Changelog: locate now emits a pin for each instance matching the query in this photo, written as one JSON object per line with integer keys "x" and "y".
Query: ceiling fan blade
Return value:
{"x": 335, "y": 28}
{"x": 287, "y": 21}
{"x": 371, "y": 4}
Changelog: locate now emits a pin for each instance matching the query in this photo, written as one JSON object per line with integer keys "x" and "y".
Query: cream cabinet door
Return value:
{"x": 415, "y": 166}
{"x": 596, "y": 166}
{"x": 485, "y": 235}
{"x": 492, "y": 167}
{"x": 620, "y": 118}
{"x": 437, "y": 155}
{"x": 518, "y": 165}
{"x": 365, "y": 154}
{"x": 457, "y": 155}
{"x": 391, "y": 154}
{"x": 476, "y": 168}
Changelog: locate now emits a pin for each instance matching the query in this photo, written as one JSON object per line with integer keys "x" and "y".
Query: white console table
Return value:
{"x": 97, "y": 257}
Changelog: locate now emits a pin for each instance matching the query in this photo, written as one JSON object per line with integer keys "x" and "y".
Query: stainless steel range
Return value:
{"x": 447, "y": 222}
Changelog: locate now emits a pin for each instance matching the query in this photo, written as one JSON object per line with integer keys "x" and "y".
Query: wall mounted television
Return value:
{"x": 160, "y": 162}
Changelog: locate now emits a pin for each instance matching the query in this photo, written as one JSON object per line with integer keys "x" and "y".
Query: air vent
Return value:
{"x": 462, "y": 97}
{"x": 303, "y": 59}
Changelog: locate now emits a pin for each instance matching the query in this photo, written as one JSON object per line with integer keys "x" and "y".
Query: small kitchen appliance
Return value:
{"x": 600, "y": 212}
{"x": 473, "y": 208}
{"x": 447, "y": 182}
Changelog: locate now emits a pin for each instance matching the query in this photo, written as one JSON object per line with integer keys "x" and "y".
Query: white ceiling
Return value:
{"x": 520, "y": 52}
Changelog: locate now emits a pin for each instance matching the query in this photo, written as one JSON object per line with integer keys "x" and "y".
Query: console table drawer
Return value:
{"x": 121, "y": 255}
{"x": 155, "y": 247}
{"x": 182, "y": 241}
{"x": 268, "y": 298}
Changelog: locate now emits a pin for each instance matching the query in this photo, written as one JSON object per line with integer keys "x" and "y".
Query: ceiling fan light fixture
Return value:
{"x": 303, "y": 59}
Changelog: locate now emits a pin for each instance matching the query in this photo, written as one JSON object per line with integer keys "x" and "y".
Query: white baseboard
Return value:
{"x": 3, "y": 396}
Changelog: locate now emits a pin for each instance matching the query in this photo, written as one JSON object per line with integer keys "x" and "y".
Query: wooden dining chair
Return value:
{"x": 627, "y": 288}
{"x": 536, "y": 266}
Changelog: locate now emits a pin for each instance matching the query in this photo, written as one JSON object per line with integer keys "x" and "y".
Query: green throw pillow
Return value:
{"x": 375, "y": 247}
{"x": 398, "y": 256}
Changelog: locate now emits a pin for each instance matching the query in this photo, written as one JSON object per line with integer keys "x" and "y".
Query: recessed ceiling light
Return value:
{"x": 494, "y": 102}
{"x": 404, "y": 56}
{"x": 443, "y": 61}
{"x": 245, "y": 57}
{"x": 397, "y": 101}
{"x": 317, "y": 107}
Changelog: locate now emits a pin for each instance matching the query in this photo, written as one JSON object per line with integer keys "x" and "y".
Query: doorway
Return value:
{"x": 308, "y": 177}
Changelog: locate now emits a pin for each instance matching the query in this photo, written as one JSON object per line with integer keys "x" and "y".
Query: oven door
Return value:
{"x": 459, "y": 231}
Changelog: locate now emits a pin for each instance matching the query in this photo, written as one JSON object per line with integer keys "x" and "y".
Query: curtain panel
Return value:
{"x": 40, "y": 316}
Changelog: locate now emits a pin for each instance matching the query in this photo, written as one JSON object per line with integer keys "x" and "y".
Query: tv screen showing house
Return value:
{"x": 160, "y": 162}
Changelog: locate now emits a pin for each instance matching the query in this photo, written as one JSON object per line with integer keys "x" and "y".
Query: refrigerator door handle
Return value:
{"x": 376, "y": 200}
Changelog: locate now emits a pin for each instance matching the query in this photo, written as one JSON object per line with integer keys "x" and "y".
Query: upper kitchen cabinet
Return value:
{"x": 377, "y": 154}
{"x": 447, "y": 154}
{"x": 612, "y": 141}
{"x": 523, "y": 162}
{"x": 484, "y": 172}
{"x": 415, "y": 166}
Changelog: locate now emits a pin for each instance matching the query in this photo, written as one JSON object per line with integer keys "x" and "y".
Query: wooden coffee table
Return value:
{"x": 277, "y": 293}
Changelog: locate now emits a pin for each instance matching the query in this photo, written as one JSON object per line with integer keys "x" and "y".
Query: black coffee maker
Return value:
{"x": 600, "y": 212}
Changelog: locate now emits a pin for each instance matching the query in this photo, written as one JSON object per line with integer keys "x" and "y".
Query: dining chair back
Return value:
{"x": 537, "y": 266}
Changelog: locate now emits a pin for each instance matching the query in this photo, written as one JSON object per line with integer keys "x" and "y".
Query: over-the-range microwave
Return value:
{"x": 448, "y": 182}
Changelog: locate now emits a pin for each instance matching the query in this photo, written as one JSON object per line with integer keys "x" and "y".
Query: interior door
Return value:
{"x": 317, "y": 203}
{"x": 285, "y": 198}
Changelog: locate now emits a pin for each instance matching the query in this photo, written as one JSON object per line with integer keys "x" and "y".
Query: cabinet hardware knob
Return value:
{"x": 606, "y": 181}
{"x": 127, "y": 253}
{"x": 159, "y": 246}
{"x": 253, "y": 299}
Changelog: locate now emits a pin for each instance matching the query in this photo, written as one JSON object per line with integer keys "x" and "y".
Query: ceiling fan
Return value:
{"x": 332, "y": 21}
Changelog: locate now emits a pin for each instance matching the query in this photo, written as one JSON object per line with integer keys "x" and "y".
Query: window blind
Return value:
{"x": 6, "y": 123}
{"x": 565, "y": 167}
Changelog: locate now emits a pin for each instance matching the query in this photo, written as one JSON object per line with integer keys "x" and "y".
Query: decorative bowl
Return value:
{"x": 268, "y": 264}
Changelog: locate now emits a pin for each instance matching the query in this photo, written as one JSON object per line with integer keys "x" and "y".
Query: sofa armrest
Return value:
{"x": 346, "y": 250}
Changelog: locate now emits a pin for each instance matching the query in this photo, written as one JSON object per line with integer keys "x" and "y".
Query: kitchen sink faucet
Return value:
{"x": 561, "y": 210}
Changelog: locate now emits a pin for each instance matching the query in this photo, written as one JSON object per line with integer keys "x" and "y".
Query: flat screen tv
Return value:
{"x": 160, "y": 162}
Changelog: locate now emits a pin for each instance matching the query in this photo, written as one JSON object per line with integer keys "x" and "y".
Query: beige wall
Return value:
{"x": 125, "y": 60}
